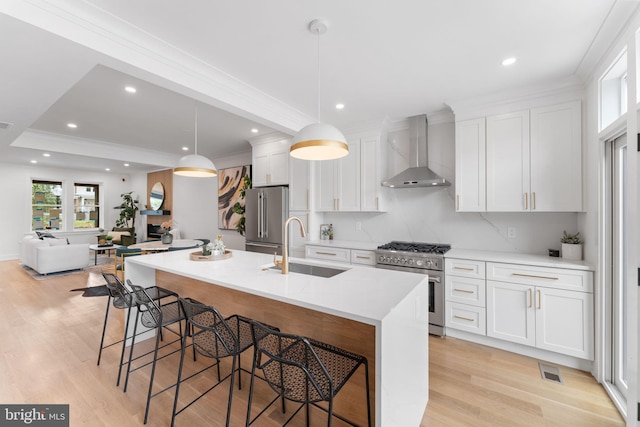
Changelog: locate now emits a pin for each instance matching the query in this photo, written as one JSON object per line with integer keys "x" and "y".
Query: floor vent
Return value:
{"x": 550, "y": 373}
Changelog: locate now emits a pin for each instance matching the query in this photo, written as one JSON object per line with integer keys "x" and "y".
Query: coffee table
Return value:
{"x": 97, "y": 248}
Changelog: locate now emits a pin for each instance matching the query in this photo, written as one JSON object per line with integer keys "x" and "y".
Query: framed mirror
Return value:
{"x": 157, "y": 196}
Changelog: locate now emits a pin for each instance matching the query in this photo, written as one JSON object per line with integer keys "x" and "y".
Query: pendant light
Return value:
{"x": 319, "y": 141}
{"x": 193, "y": 165}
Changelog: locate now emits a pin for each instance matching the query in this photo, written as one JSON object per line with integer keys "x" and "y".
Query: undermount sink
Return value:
{"x": 312, "y": 270}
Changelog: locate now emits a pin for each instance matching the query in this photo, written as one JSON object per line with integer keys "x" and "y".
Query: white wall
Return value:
{"x": 195, "y": 205}
{"x": 15, "y": 187}
{"x": 428, "y": 214}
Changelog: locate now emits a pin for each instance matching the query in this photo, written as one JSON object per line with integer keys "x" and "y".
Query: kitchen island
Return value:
{"x": 380, "y": 314}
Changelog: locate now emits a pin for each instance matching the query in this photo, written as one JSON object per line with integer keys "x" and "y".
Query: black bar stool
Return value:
{"x": 303, "y": 370}
{"x": 215, "y": 337}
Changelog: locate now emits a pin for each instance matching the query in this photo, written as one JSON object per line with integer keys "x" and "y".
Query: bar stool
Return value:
{"x": 154, "y": 316}
{"x": 215, "y": 337}
{"x": 303, "y": 370}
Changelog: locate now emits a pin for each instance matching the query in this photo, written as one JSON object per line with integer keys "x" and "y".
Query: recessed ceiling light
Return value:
{"x": 185, "y": 148}
{"x": 508, "y": 61}
{"x": 34, "y": 161}
{"x": 339, "y": 106}
{"x": 107, "y": 169}
{"x": 254, "y": 130}
{"x": 126, "y": 165}
{"x": 46, "y": 154}
{"x": 72, "y": 125}
{"x": 130, "y": 89}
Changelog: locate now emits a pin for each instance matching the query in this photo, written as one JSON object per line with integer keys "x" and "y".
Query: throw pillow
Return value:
{"x": 45, "y": 235}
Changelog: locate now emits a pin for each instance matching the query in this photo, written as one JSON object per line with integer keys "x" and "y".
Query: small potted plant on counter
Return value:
{"x": 571, "y": 246}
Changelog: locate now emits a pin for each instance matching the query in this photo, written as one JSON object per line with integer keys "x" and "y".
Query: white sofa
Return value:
{"x": 53, "y": 255}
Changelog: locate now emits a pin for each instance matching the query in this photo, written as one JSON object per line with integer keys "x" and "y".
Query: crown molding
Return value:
{"x": 46, "y": 141}
{"x": 269, "y": 138}
{"x": 132, "y": 50}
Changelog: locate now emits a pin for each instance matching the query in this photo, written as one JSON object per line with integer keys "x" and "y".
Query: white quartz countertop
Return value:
{"x": 518, "y": 258}
{"x": 364, "y": 294}
{"x": 346, "y": 244}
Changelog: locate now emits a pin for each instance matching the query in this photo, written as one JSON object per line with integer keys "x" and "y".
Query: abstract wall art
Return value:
{"x": 230, "y": 182}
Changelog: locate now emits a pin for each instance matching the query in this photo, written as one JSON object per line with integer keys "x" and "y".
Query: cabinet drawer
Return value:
{"x": 464, "y": 268}
{"x": 466, "y": 318}
{"x": 331, "y": 254}
{"x": 558, "y": 278}
{"x": 465, "y": 290}
{"x": 363, "y": 257}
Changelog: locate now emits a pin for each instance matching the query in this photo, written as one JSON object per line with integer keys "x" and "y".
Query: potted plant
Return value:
{"x": 239, "y": 208}
{"x": 167, "y": 237}
{"x": 128, "y": 209}
{"x": 108, "y": 239}
{"x": 571, "y": 246}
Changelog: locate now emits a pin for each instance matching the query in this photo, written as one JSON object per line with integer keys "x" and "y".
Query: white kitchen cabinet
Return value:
{"x": 370, "y": 175}
{"x": 556, "y": 158}
{"x": 464, "y": 287}
{"x": 508, "y": 162}
{"x": 471, "y": 166}
{"x": 359, "y": 256}
{"x": 325, "y": 253}
{"x": 270, "y": 162}
{"x": 299, "y": 184}
{"x": 531, "y": 161}
{"x": 510, "y": 312}
{"x": 551, "y": 309}
{"x": 337, "y": 182}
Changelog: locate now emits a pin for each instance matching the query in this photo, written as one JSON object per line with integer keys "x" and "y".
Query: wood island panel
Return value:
{"x": 348, "y": 334}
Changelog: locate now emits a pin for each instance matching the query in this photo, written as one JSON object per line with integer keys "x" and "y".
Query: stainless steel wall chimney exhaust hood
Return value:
{"x": 418, "y": 174}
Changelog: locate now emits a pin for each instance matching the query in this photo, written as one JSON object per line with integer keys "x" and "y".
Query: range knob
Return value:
{"x": 411, "y": 261}
{"x": 403, "y": 261}
{"x": 429, "y": 263}
{"x": 419, "y": 263}
{"x": 381, "y": 258}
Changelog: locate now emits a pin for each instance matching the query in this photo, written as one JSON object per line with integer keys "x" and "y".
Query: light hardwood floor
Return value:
{"x": 49, "y": 340}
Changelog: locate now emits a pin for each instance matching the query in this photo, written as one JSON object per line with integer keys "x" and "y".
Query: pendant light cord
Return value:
{"x": 196, "y": 131}
{"x": 318, "y": 32}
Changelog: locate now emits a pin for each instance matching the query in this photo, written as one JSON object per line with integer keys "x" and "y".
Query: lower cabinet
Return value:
{"x": 542, "y": 307}
{"x": 543, "y": 317}
{"x": 342, "y": 255}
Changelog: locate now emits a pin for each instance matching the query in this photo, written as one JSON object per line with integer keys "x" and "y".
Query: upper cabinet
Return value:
{"x": 352, "y": 183}
{"x": 271, "y": 162}
{"x": 471, "y": 166}
{"x": 533, "y": 161}
{"x": 299, "y": 184}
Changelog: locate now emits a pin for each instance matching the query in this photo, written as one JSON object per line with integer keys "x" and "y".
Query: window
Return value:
{"x": 46, "y": 205}
{"x": 86, "y": 198}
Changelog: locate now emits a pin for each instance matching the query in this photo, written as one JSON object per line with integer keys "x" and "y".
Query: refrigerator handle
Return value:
{"x": 265, "y": 217}
{"x": 259, "y": 215}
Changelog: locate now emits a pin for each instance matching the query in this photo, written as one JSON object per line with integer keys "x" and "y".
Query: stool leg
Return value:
{"x": 133, "y": 340}
{"x": 366, "y": 372}
{"x": 124, "y": 344}
{"x": 233, "y": 367}
{"x": 183, "y": 344}
{"x": 153, "y": 372}
{"x": 104, "y": 328}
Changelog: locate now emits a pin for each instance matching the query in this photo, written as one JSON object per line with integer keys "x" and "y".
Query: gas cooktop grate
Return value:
{"x": 427, "y": 248}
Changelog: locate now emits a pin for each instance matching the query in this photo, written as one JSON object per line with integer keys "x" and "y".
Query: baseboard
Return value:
{"x": 9, "y": 257}
{"x": 536, "y": 353}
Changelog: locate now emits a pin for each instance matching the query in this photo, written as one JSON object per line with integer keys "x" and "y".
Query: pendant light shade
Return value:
{"x": 319, "y": 141}
{"x": 193, "y": 165}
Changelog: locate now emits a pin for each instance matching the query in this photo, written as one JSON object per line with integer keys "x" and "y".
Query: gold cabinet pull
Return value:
{"x": 534, "y": 276}
{"x": 363, "y": 257}
{"x": 526, "y": 201}
{"x": 463, "y": 318}
{"x": 534, "y": 200}
{"x": 326, "y": 253}
{"x": 457, "y": 202}
{"x": 463, "y": 268}
{"x": 463, "y": 290}
{"x": 539, "y": 301}
{"x": 377, "y": 203}
{"x": 307, "y": 199}
{"x": 530, "y": 298}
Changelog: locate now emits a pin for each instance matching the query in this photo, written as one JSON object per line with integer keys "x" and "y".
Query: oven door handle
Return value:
{"x": 435, "y": 279}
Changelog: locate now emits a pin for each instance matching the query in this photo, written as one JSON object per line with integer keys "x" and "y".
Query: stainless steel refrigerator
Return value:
{"x": 266, "y": 210}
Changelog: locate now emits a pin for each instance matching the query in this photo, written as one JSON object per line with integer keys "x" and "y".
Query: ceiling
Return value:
{"x": 382, "y": 60}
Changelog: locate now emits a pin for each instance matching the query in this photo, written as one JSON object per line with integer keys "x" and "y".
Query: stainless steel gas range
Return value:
{"x": 422, "y": 258}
